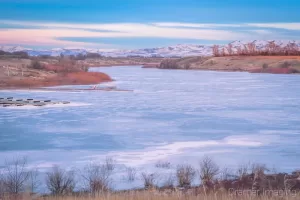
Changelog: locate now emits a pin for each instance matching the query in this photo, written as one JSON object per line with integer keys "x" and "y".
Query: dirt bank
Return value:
{"x": 77, "y": 78}
{"x": 18, "y": 74}
{"x": 256, "y": 64}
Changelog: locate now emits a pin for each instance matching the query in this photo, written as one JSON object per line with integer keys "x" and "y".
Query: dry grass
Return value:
{"x": 156, "y": 195}
{"x": 251, "y": 183}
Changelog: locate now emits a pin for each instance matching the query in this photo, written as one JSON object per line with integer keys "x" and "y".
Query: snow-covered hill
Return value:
{"x": 180, "y": 50}
{"x": 12, "y": 49}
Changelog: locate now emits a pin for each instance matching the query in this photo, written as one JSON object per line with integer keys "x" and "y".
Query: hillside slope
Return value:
{"x": 179, "y": 50}
{"x": 267, "y": 64}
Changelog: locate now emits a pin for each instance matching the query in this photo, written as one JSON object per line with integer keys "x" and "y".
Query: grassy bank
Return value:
{"x": 38, "y": 72}
{"x": 258, "y": 64}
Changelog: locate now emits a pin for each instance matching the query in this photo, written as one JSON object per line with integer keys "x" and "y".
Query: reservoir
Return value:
{"x": 170, "y": 115}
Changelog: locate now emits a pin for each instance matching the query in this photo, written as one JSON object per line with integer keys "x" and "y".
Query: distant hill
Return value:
{"x": 180, "y": 50}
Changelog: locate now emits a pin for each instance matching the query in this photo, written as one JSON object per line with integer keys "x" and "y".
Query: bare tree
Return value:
{"x": 251, "y": 48}
{"x": 245, "y": 176}
{"x": 243, "y": 170}
{"x": 216, "y": 51}
{"x": 16, "y": 176}
{"x": 97, "y": 178}
{"x": 239, "y": 51}
{"x": 2, "y": 187}
{"x": 259, "y": 180}
{"x": 229, "y": 49}
{"x": 149, "y": 180}
{"x": 245, "y": 51}
{"x": 169, "y": 182}
{"x": 60, "y": 182}
{"x": 208, "y": 170}
{"x": 258, "y": 168}
{"x": 223, "y": 52}
{"x": 163, "y": 164}
{"x": 33, "y": 181}
{"x": 131, "y": 174}
{"x": 110, "y": 164}
{"x": 185, "y": 175}
{"x": 226, "y": 174}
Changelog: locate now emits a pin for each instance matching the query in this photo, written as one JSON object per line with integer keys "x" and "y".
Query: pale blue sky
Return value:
{"x": 144, "y": 23}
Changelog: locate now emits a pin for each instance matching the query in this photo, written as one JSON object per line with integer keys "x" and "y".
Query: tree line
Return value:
{"x": 16, "y": 178}
{"x": 250, "y": 49}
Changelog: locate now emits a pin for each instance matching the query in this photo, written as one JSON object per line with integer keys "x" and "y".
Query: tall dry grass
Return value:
{"x": 155, "y": 195}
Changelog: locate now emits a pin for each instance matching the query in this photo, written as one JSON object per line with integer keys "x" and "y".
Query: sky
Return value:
{"x": 132, "y": 24}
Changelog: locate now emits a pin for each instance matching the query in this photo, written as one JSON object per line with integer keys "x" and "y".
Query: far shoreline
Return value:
{"x": 46, "y": 77}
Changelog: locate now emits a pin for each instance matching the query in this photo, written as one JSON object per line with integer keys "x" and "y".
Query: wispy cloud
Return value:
{"x": 195, "y": 25}
{"x": 128, "y": 30}
{"x": 287, "y": 26}
{"x": 47, "y": 33}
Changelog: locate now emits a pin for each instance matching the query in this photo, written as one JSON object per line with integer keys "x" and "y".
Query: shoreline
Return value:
{"x": 224, "y": 70}
{"x": 29, "y": 78}
{"x": 251, "y": 64}
{"x": 74, "y": 78}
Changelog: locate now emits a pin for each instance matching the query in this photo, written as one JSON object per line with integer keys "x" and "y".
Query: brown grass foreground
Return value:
{"x": 156, "y": 195}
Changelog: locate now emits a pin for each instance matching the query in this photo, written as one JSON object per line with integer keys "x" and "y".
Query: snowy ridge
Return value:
{"x": 180, "y": 50}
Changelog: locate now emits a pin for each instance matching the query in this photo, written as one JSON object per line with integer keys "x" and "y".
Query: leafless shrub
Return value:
{"x": 2, "y": 187}
{"x": 226, "y": 174}
{"x": 163, "y": 164}
{"x": 35, "y": 64}
{"x": 265, "y": 66}
{"x": 256, "y": 167}
{"x": 215, "y": 49}
{"x": 60, "y": 182}
{"x": 285, "y": 65}
{"x": 259, "y": 180}
{"x": 97, "y": 178}
{"x": 208, "y": 170}
{"x": 33, "y": 182}
{"x": 250, "y": 49}
{"x": 130, "y": 174}
{"x": 15, "y": 176}
{"x": 245, "y": 176}
{"x": 223, "y": 52}
{"x": 243, "y": 170}
{"x": 169, "y": 182}
{"x": 110, "y": 164}
{"x": 185, "y": 175}
{"x": 149, "y": 180}
{"x": 229, "y": 49}
{"x": 169, "y": 64}
{"x": 296, "y": 172}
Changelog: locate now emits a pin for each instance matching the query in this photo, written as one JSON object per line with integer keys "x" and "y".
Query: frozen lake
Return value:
{"x": 171, "y": 115}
